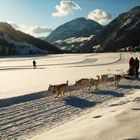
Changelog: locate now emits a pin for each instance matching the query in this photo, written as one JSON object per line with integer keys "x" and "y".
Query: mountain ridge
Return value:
{"x": 13, "y": 42}
{"x": 78, "y": 27}
{"x": 121, "y": 32}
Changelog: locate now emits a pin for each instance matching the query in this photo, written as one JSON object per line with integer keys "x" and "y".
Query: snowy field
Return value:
{"x": 30, "y": 112}
{"x": 114, "y": 121}
{"x": 18, "y": 77}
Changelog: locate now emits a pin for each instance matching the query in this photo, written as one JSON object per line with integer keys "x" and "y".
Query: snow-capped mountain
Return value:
{"x": 14, "y": 42}
{"x": 72, "y": 35}
{"x": 122, "y": 32}
{"x": 79, "y": 27}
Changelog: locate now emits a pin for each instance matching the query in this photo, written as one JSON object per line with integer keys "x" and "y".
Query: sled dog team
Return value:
{"x": 85, "y": 83}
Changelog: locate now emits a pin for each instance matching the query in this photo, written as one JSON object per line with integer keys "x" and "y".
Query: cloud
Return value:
{"x": 36, "y": 31}
{"x": 65, "y": 8}
{"x": 100, "y": 16}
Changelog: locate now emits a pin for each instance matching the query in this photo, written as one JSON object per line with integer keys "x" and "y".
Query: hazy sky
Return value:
{"x": 39, "y": 15}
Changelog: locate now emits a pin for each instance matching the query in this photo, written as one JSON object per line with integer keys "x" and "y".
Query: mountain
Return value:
{"x": 14, "y": 42}
{"x": 122, "y": 32}
{"x": 74, "y": 44}
{"x": 79, "y": 27}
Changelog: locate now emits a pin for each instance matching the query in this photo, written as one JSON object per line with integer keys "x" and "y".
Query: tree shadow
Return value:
{"x": 78, "y": 102}
{"x": 112, "y": 93}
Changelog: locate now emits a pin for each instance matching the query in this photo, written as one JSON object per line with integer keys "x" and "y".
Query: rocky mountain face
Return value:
{"x": 79, "y": 35}
{"x": 82, "y": 35}
{"x": 122, "y": 32}
{"x": 13, "y": 42}
{"x": 75, "y": 29}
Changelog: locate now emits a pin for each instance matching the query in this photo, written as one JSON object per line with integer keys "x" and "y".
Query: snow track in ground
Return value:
{"x": 89, "y": 60}
{"x": 35, "y": 115}
{"x": 92, "y": 60}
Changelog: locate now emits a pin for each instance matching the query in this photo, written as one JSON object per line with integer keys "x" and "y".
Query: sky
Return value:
{"x": 40, "y": 17}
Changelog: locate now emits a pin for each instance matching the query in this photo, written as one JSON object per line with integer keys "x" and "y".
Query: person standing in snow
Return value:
{"x": 131, "y": 66}
{"x": 137, "y": 66}
{"x": 34, "y": 64}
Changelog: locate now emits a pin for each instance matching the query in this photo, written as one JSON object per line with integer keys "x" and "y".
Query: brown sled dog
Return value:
{"x": 58, "y": 89}
{"x": 96, "y": 82}
{"x": 117, "y": 78}
{"x": 84, "y": 83}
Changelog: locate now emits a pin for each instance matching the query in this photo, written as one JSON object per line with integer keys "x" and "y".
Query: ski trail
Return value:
{"x": 22, "y": 120}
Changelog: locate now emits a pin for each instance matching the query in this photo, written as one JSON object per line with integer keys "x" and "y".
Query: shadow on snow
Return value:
{"x": 78, "y": 102}
{"x": 129, "y": 86}
{"x": 112, "y": 93}
{"x": 21, "y": 99}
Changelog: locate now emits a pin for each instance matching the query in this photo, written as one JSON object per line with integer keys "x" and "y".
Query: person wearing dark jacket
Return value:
{"x": 131, "y": 66}
{"x": 137, "y": 66}
{"x": 34, "y": 64}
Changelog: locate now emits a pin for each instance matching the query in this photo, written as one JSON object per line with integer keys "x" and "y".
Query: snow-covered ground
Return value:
{"x": 18, "y": 77}
{"x": 36, "y": 111}
{"x": 117, "y": 121}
